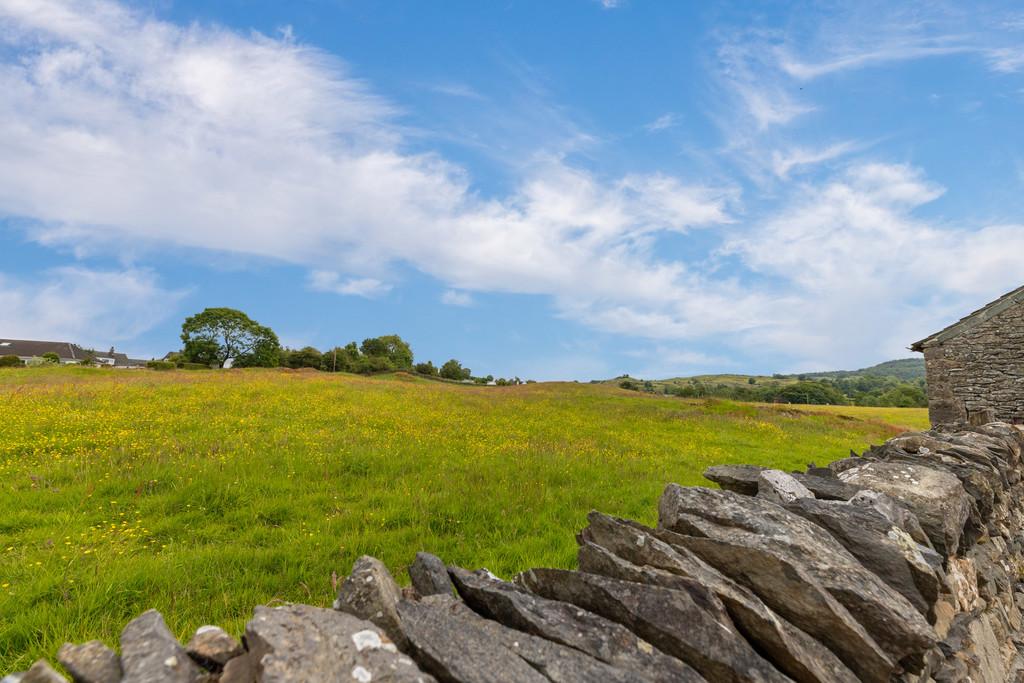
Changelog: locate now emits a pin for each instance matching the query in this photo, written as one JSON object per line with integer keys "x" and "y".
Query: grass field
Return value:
{"x": 203, "y": 494}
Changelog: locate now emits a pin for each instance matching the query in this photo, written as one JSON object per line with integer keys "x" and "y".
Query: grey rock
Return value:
{"x": 150, "y": 653}
{"x": 456, "y": 644}
{"x": 739, "y": 520}
{"x": 568, "y": 625}
{"x": 238, "y": 670}
{"x": 13, "y": 677}
{"x": 778, "y": 487}
{"x": 429, "y": 575}
{"x": 792, "y": 651}
{"x": 827, "y": 487}
{"x": 299, "y": 643}
{"x": 211, "y": 647}
{"x": 881, "y": 547}
{"x": 937, "y": 498}
{"x": 370, "y": 593}
{"x": 740, "y": 479}
{"x": 894, "y": 511}
{"x": 689, "y": 624}
{"x": 91, "y": 662}
{"x": 42, "y": 672}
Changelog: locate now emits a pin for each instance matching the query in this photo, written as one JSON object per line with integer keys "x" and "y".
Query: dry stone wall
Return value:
{"x": 979, "y": 375}
{"x": 900, "y": 564}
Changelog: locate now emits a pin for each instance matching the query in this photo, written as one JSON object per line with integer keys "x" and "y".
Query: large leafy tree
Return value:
{"x": 217, "y": 334}
{"x": 392, "y": 347}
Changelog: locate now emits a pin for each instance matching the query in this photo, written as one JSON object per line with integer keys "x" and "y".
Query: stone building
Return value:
{"x": 975, "y": 367}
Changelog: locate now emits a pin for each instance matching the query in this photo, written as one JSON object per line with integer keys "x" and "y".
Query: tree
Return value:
{"x": 217, "y": 334}
{"x": 390, "y": 346}
{"x": 306, "y": 357}
{"x": 10, "y": 362}
{"x": 51, "y": 357}
{"x": 426, "y": 369}
{"x": 453, "y": 369}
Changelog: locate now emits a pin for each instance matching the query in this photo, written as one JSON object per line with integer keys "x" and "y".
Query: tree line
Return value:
{"x": 219, "y": 337}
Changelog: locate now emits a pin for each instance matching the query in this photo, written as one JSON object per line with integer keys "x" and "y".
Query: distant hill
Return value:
{"x": 892, "y": 383}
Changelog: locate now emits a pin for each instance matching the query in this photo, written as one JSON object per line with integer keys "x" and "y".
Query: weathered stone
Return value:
{"x": 739, "y": 520}
{"x": 91, "y": 662}
{"x": 238, "y": 670}
{"x": 827, "y": 486}
{"x": 568, "y": 625}
{"x": 151, "y": 654}
{"x": 456, "y": 644}
{"x": 211, "y": 647}
{"x": 881, "y": 547}
{"x": 937, "y": 498}
{"x": 740, "y": 479}
{"x": 429, "y": 575}
{"x": 792, "y": 651}
{"x": 298, "y": 643}
{"x": 894, "y": 511}
{"x": 778, "y": 487}
{"x": 42, "y": 672}
{"x": 709, "y": 641}
{"x": 370, "y": 593}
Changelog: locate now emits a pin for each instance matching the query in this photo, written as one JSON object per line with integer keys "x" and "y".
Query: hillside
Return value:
{"x": 895, "y": 383}
{"x": 203, "y": 493}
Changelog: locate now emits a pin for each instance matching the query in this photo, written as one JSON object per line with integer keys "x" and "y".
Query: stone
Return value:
{"x": 893, "y": 511}
{"x": 151, "y": 654}
{"x": 739, "y": 520}
{"x": 792, "y": 651}
{"x": 238, "y": 670}
{"x": 370, "y": 593}
{"x": 42, "y": 672}
{"x": 740, "y": 479}
{"x": 709, "y": 642}
{"x": 298, "y": 643}
{"x": 778, "y": 487}
{"x": 568, "y": 625}
{"x": 211, "y": 647}
{"x": 91, "y": 662}
{"x": 456, "y": 644}
{"x": 790, "y": 591}
{"x": 936, "y": 498}
{"x": 827, "y": 486}
{"x": 429, "y": 575}
{"x": 881, "y": 547}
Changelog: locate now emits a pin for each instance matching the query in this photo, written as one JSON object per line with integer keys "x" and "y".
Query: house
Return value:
{"x": 69, "y": 353}
{"x": 975, "y": 367}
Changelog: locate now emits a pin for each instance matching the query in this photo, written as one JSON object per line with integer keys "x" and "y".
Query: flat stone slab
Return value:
{"x": 299, "y": 643}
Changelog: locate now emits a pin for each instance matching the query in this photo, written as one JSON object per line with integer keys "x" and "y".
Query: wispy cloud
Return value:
{"x": 785, "y": 161}
{"x": 92, "y": 307}
{"x": 663, "y": 122}
{"x": 329, "y": 281}
{"x": 453, "y": 297}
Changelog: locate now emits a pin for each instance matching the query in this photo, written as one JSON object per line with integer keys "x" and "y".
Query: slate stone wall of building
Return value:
{"x": 979, "y": 376}
{"x": 901, "y": 564}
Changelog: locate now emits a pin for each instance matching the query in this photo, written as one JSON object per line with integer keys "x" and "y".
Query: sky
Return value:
{"x": 552, "y": 190}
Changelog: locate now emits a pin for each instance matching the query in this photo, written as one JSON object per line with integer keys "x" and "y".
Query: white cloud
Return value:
{"x": 864, "y": 276}
{"x": 204, "y": 138}
{"x": 329, "y": 281}
{"x": 94, "y": 308}
{"x": 453, "y": 297}
{"x": 663, "y": 122}
{"x": 797, "y": 157}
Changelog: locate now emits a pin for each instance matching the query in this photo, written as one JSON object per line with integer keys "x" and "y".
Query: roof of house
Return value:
{"x": 30, "y": 348}
{"x": 979, "y": 316}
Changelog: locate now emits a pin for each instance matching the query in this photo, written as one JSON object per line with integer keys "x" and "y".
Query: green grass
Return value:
{"x": 204, "y": 494}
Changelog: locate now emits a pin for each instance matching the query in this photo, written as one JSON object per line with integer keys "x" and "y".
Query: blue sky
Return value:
{"x": 554, "y": 190}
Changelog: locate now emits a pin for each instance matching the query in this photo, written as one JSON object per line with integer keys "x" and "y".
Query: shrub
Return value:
{"x": 426, "y": 369}
{"x": 191, "y": 366}
{"x": 453, "y": 369}
{"x": 51, "y": 357}
{"x": 10, "y": 362}
{"x": 160, "y": 365}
